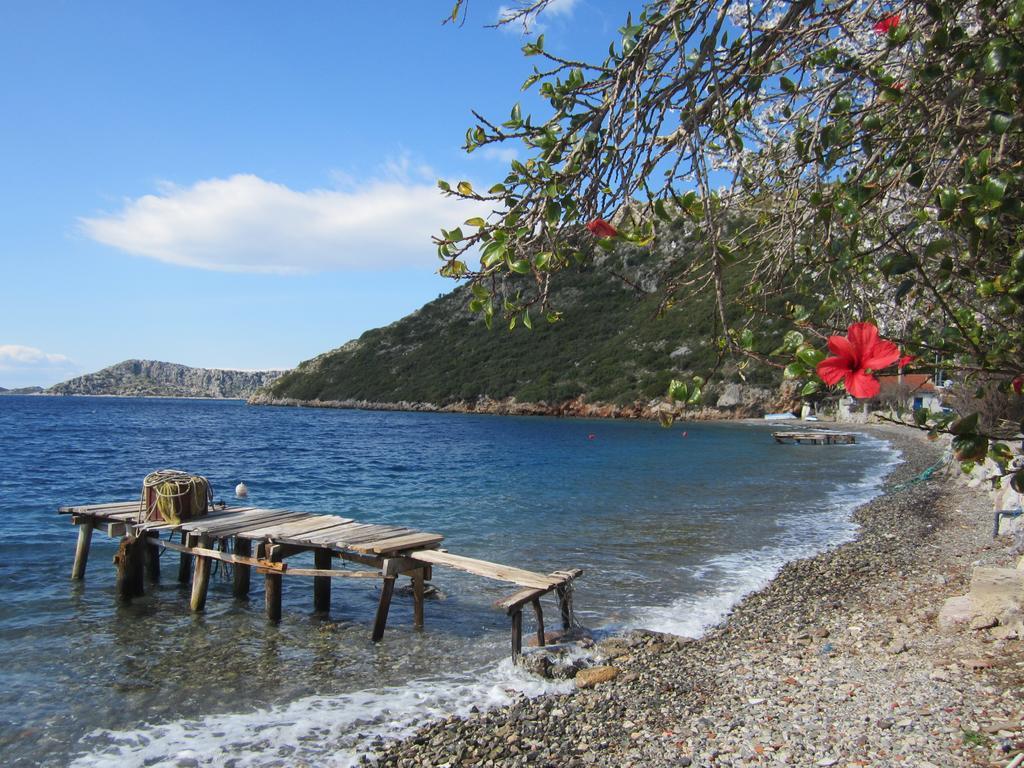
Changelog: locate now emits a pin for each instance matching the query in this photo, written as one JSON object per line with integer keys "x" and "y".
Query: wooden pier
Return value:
{"x": 815, "y": 437}
{"x": 262, "y": 539}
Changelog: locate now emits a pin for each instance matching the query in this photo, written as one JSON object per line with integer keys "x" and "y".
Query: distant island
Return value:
{"x": 21, "y": 391}
{"x": 152, "y": 378}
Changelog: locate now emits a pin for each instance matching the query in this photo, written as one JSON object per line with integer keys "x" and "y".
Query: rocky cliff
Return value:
{"x": 152, "y": 378}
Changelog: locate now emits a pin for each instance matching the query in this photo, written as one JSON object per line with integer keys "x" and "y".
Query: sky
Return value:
{"x": 240, "y": 184}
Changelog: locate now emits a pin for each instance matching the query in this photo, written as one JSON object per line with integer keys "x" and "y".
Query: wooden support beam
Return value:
{"x": 201, "y": 578}
{"x": 322, "y": 584}
{"x": 152, "y": 559}
{"x": 242, "y": 573}
{"x": 272, "y": 586}
{"x": 185, "y": 561}
{"x": 418, "y": 589}
{"x": 517, "y": 634}
{"x": 539, "y": 612}
{"x": 129, "y": 569}
{"x": 387, "y": 589}
{"x": 564, "y": 594}
{"x": 85, "y": 529}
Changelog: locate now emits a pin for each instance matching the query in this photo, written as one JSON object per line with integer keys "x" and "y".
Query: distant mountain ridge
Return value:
{"x": 153, "y": 378}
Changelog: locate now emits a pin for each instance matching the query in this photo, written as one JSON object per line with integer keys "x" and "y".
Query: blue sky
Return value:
{"x": 238, "y": 184}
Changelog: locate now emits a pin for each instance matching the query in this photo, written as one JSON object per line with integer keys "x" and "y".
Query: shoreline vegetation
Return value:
{"x": 839, "y": 661}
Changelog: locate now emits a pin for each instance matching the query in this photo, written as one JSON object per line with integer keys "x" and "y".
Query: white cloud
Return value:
{"x": 248, "y": 224}
{"x": 18, "y": 356}
{"x": 533, "y": 23}
{"x": 501, "y": 154}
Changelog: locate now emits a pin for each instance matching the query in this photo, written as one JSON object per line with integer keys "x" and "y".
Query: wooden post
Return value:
{"x": 152, "y": 559}
{"x": 272, "y": 587}
{"x": 82, "y": 548}
{"x": 387, "y": 589}
{"x": 201, "y": 578}
{"x": 564, "y": 594}
{"x": 185, "y": 562}
{"x": 418, "y": 578}
{"x": 540, "y": 621}
{"x": 322, "y": 584}
{"x": 517, "y": 634}
{"x": 129, "y": 569}
{"x": 241, "y": 574}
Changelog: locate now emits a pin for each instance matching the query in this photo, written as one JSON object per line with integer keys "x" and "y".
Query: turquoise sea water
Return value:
{"x": 671, "y": 526}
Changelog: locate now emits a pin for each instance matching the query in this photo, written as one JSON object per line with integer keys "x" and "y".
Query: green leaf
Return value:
{"x": 936, "y": 247}
{"x": 787, "y": 85}
{"x": 810, "y": 388}
{"x": 521, "y": 266}
{"x": 810, "y": 357}
{"x": 464, "y": 188}
{"x": 527, "y": 320}
{"x": 747, "y": 339}
{"x": 795, "y": 370}
{"x": 897, "y": 264}
{"x": 792, "y": 340}
{"x": 995, "y": 60}
{"x": 970, "y": 447}
{"x": 999, "y": 122}
{"x": 476, "y": 221}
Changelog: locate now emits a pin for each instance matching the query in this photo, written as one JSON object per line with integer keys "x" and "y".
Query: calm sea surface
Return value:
{"x": 672, "y": 526}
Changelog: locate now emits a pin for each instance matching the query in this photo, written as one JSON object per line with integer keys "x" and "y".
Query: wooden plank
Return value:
{"x": 213, "y": 526}
{"x": 295, "y": 529}
{"x": 239, "y": 527}
{"x": 227, "y": 557}
{"x": 489, "y": 570}
{"x": 95, "y": 509}
{"x": 382, "y": 532}
{"x": 517, "y": 600}
{"x": 323, "y": 536}
{"x": 396, "y": 544}
{"x": 323, "y": 573}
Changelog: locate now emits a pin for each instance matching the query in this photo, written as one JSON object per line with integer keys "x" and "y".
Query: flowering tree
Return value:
{"x": 863, "y": 156}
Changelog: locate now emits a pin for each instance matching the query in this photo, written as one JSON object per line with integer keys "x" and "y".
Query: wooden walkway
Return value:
{"x": 251, "y": 538}
{"x": 815, "y": 437}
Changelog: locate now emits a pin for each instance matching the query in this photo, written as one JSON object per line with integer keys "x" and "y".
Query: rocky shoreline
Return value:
{"x": 838, "y": 662}
{"x": 733, "y": 403}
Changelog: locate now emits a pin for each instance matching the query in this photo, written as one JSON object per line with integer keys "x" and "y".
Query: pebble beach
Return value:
{"x": 839, "y": 661}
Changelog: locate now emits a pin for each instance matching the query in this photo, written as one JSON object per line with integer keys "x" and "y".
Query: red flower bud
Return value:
{"x": 601, "y": 228}
{"x": 1017, "y": 385}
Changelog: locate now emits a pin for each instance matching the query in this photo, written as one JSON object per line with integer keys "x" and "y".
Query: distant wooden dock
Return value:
{"x": 250, "y": 539}
{"x": 815, "y": 437}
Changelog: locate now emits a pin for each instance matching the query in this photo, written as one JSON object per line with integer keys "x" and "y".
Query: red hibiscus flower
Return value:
{"x": 601, "y": 228}
{"x": 857, "y": 353}
{"x": 1017, "y": 385}
{"x": 904, "y": 361}
{"x": 882, "y": 26}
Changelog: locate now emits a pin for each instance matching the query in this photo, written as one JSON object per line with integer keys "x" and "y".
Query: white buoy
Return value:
{"x": 241, "y": 490}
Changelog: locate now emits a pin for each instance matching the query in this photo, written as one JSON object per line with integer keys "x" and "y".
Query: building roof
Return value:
{"x": 909, "y": 382}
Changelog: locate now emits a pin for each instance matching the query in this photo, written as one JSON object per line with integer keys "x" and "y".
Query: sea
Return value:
{"x": 671, "y": 526}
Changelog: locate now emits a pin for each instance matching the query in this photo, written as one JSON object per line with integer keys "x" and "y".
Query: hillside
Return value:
{"x": 21, "y": 391}
{"x": 611, "y": 347}
{"x": 151, "y": 378}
